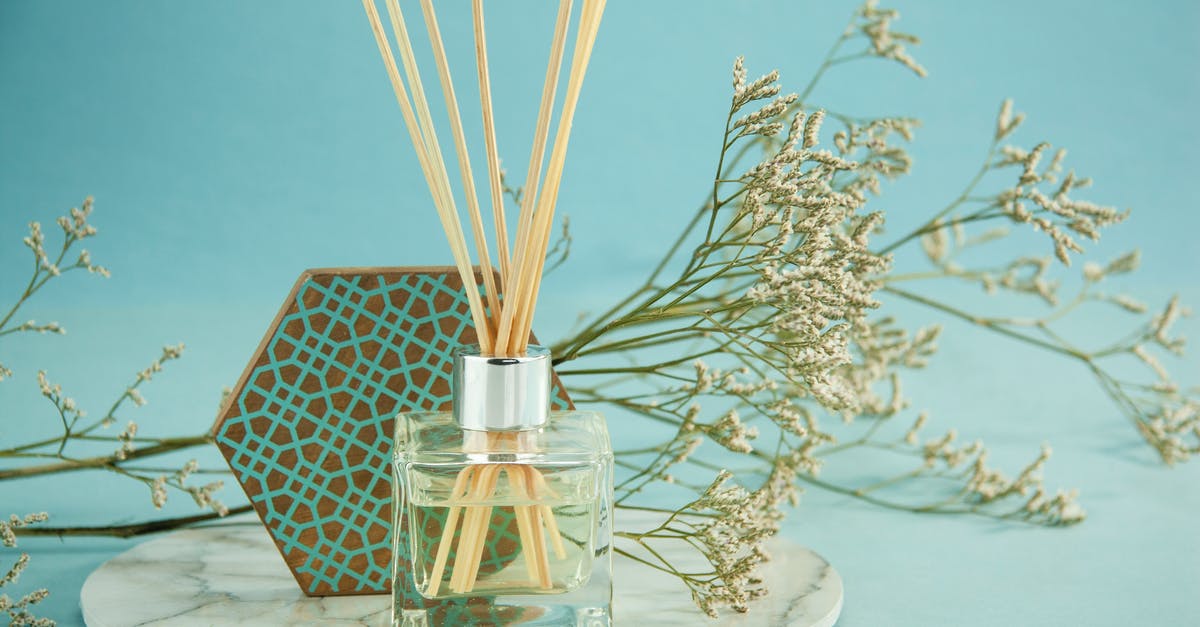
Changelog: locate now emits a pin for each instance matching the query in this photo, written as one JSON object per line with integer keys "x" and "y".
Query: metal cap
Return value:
{"x": 501, "y": 393}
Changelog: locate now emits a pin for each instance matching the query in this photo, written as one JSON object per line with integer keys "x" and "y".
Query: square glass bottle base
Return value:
{"x": 589, "y": 605}
{"x": 502, "y": 528}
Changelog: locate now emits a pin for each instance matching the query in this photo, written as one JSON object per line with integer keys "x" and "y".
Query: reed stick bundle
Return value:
{"x": 503, "y": 324}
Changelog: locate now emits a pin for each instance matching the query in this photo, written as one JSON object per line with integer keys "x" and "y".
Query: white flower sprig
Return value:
{"x": 876, "y": 25}
{"x": 77, "y": 430}
{"x": 75, "y": 228}
{"x": 1164, "y": 413}
{"x": 20, "y": 610}
{"x": 729, "y": 525}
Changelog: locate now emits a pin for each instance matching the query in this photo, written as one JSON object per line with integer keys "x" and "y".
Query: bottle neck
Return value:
{"x": 501, "y": 393}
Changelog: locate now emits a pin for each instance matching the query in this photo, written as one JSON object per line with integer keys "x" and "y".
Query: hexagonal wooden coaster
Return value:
{"x": 308, "y": 428}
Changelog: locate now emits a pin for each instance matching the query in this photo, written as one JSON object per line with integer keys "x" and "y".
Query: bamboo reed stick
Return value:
{"x": 474, "y": 529}
{"x": 524, "y": 522}
{"x": 540, "y": 487}
{"x": 475, "y": 555}
{"x": 538, "y": 526}
{"x": 493, "y": 152}
{"x": 504, "y": 338}
{"x": 537, "y": 152}
{"x": 433, "y": 148}
{"x": 464, "y": 161}
{"x": 529, "y": 281}
{"x": 539, "y": 549}
{"x": 534, "y": 548}
{"x": 459, "y": 491}
{"x": 449, "y": 221}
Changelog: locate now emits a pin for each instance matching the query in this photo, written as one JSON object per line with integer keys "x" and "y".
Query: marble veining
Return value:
{"x": 232, "y": 573}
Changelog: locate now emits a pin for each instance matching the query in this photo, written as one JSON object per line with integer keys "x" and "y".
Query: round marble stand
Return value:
{"x": 232, "y": 574}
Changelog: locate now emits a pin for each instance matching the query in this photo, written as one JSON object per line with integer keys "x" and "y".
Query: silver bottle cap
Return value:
{"x": 501, "y": 393}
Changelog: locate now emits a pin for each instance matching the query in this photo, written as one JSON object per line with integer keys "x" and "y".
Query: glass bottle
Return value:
{"x": 503, "y": 508}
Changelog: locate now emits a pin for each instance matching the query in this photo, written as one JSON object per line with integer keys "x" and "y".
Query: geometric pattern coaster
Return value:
{"x": 308, "y": 428}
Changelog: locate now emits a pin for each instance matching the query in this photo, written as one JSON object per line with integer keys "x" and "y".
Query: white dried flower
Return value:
{"x": 762, "y": 88}
{"x": 126, "y": 438}
{"x": 8, "y": 537}
{"x": 158, "y": 492}
{"x": 135, "y": 396}
{"x": 1005, "y": 122}
{"x": 812, "y": 128}
{"x": 1160, "y": 326}
{"x": 183, "y": 473}
{"x": 876, "y": 24}
{"x": 1126, "y": 263}
{"x": 204, "y": 497}
{"x": 935, "y": 243}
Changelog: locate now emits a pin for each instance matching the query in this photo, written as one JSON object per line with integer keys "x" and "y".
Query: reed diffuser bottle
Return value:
{"x": 505, "y": 499}
{"x": 503, "y": 508}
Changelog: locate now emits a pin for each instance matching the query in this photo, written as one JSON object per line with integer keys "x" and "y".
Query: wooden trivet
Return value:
{"x": 308, "y": 428}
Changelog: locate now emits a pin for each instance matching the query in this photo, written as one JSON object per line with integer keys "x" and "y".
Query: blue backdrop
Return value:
{"x": 230, "y": 145}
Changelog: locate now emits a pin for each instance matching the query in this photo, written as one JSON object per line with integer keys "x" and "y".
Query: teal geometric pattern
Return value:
{"x": 308, "y": 429}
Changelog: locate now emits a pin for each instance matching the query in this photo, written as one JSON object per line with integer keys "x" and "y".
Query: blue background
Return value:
{"x": 230, "y": 145}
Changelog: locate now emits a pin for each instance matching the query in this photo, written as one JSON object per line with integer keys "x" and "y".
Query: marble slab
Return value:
{"x": 232, "y": 574}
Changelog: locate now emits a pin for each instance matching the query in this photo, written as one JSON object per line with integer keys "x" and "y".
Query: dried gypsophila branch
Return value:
{"x": 75, "y": 228}
{"x": 875, "y": 24}
{"x": 872, "y": 26}
{"x": 877, "y": 350}
{"x": 19, "y": 610}
{"x": 783, "y": 291}
{"x": 127, "y": 441}
{"x": 778, "y": 314}
{"x": 75, "y": 428}
{"x": 1165, "y": 415}
{"x": 729, "y": 526}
